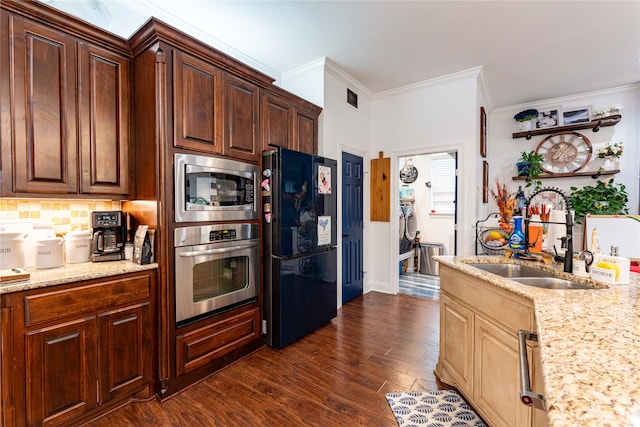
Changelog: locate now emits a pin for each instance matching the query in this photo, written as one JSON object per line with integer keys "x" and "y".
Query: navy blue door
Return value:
{"x": 352, "y": 226}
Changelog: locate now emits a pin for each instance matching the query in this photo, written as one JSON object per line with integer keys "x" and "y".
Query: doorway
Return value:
{"x": 352, "y": 227}
{"x": 427, "y": 214}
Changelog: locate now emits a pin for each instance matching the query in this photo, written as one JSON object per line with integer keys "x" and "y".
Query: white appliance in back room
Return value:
{"x": 408, "y": 218}
{"x": 426, "y": 185}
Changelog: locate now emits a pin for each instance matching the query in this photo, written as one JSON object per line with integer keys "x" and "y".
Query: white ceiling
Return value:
{"x": 529, "y": 50}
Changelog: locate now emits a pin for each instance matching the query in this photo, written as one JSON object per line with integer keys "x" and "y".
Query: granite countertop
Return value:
{"x": 589, "y": 345}
{"x": 69, "y": 273}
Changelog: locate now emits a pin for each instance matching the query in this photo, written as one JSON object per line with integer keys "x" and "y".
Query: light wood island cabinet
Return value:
{"x": 479, "y": 355}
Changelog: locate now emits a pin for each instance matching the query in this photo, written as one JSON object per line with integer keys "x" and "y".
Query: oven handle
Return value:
{"x": 217, "y": 251}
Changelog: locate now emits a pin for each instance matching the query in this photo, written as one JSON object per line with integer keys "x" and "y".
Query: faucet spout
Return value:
{"x": 567, "y": 240}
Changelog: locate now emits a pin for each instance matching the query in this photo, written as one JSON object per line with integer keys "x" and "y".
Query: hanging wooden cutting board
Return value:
{"x": 380, "y": 188}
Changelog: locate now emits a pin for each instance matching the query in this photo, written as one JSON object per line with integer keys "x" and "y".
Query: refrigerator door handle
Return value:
{"x": 304, "y": 254}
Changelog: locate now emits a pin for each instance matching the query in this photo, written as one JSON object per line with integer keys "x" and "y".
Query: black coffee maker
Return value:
{"x": 109, "y": 231}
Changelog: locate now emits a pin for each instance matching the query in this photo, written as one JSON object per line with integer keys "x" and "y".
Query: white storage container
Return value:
{"x": 35, "y": 234}
{"x": 77, "y": 246}
{"x": 12, "y": 249}
{"x": 49, "y": 252}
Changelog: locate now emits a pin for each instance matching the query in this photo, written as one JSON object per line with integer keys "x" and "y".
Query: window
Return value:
{"x": 443, "y": 184}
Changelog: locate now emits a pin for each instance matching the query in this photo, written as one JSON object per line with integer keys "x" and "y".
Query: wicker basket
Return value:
{"x": 488, "y": 249}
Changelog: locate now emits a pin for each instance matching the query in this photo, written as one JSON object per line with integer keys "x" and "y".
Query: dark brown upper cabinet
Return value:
{"x": 289, "y": 122}
{"x": 242, "y": 119}
{"x": 104, "y": 106}
{"x": 277, "y": 121}
{"x": 197, "y": 103}
{"x": 65, "y": 107}
{"x": 41, "y": 72}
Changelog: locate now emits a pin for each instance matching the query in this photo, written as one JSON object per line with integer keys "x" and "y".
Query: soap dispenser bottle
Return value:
{"x": 516, "y": 238}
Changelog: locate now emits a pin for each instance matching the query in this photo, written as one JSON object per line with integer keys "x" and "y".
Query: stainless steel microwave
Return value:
{"x": 214, "y": 189}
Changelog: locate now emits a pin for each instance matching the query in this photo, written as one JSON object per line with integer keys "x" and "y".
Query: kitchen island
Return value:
{"x": 588, "y": 345}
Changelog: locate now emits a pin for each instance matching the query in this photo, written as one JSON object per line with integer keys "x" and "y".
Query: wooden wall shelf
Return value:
{"x": 592, "y": 174}
{"x": 594, "y": 125}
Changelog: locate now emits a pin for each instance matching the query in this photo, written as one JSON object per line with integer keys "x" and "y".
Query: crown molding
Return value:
{"x": 465, "y": 74}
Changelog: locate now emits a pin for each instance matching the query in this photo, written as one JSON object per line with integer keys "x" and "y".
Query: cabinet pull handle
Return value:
{"x": 217, "y": 251}
{"x": 527, "y": 396}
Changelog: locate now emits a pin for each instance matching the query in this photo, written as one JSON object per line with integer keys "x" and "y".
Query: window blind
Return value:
{"x": 443, "y": 185}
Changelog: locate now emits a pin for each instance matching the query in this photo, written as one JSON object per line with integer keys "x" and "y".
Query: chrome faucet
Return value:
{"x": 567, "y": 240}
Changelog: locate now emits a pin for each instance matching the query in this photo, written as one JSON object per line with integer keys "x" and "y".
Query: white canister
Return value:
{"x": 77, "y": 246}
{"x": 11, "y": 249}
{"x": 29, "y": 250}
{"x": 49, "y": 252}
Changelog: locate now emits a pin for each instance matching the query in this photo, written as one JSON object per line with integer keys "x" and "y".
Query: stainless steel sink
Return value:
{"x": 550, "y": 283}
{"x": 513, "y": 270}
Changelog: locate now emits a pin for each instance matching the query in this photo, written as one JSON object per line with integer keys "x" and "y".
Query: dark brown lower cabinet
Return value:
{"x": 201, "y": 346}
{"x": 72, "y": 352}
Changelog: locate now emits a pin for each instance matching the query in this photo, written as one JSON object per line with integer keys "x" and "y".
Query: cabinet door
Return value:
{"x": 43, "y": 69}
{"x": 456, "y": 342}
{"x": 125, "y": 342}
{"x": 242, "y": 119}
{"x": 538, "y": 417}
{"x": 277, "y": 121}
{"x": 305, "y": 132}
{"x": 496, "y": 376}
{"x": 197, "y": 109}
{"x": 61, "y": 371}
{"x": 103, "y": 101}
{"x": 198, "y": 347}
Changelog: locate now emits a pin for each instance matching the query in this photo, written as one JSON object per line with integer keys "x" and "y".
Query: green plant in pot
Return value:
{"x": 601, "y": 199}
{"x": 530, "y": 166}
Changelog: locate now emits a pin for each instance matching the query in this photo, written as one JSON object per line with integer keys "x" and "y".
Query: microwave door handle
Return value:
{"x": 217, "y": 251}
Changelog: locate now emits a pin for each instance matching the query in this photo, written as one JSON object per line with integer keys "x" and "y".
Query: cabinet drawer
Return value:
{"x": 54, "y": 305}
{"x": 199, "y": 347}
{"x": 499, "y": 305}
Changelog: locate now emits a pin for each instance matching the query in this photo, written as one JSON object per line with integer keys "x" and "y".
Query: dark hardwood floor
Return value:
{"x": 336, "y": 376}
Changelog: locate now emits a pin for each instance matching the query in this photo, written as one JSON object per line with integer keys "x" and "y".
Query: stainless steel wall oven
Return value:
{"x": 213, "y": 189}
{"x": 217, "y": 267}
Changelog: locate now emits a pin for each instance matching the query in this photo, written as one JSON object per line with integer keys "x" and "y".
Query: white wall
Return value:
{"x": 435, "y": 116}
{"x": 342, "y": 127}
{"x": 503, "y": 151}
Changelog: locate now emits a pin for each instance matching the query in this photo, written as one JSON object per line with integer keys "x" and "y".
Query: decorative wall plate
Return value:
{"x": 408, "y": 175}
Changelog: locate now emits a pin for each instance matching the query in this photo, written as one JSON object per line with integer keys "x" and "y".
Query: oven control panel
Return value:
{"x": 213, "y": 234}
{"x": 219, "y": 235}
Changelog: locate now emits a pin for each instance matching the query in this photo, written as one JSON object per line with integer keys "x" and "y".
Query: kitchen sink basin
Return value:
{"x": 550, "y": 283}
{"x": 513, "y": 270}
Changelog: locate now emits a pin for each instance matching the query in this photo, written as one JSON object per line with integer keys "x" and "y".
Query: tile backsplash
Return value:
{"x": 65, "y": 214}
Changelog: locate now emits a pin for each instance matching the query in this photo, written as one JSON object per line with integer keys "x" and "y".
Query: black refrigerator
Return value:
{"x": 299, "y": 206}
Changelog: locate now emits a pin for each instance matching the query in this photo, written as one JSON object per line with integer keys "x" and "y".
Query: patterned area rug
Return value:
{"x": 441, "y": 408}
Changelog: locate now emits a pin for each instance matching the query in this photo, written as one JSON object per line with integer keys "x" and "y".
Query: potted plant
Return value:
{"x": 608, "y": 153}
{"x": 525, "y": 117}
{"x": 603, "y": 199}
{"x": 530, "y": 166}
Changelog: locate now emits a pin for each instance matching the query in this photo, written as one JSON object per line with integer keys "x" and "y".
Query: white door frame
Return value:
{"x": 394, "y": 225}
